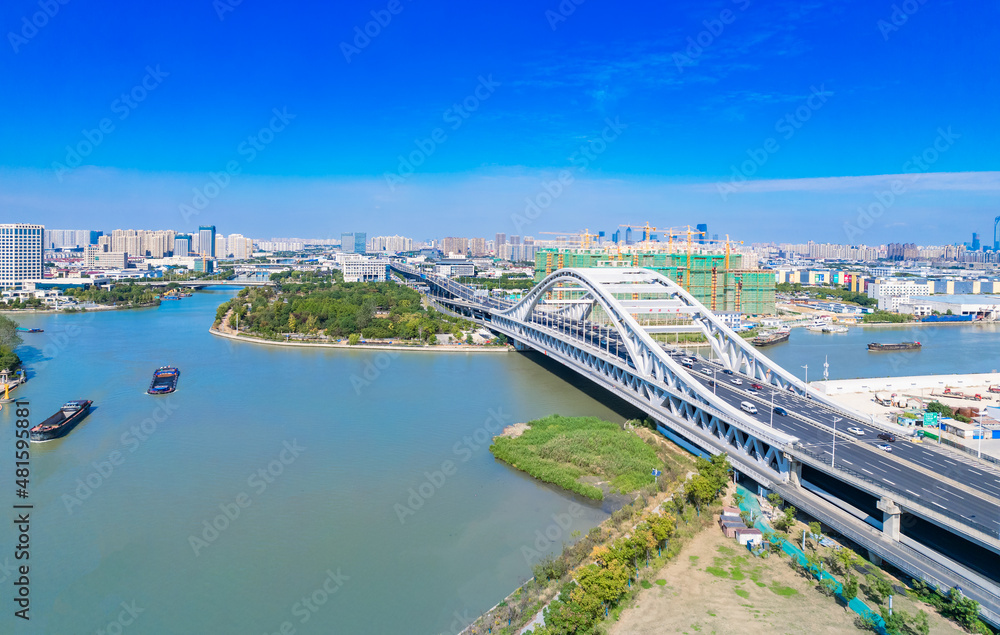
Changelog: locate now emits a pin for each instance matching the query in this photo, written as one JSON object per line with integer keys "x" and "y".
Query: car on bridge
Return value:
{"x": 887, "y": 436}
{"x": 756, "y": 386}
{"x": 727, "y": 371}
{"x": 884, "y": 447}
{"x": 856, "y": 431}
{"x": 687, "y": 364}
{"x": 737, "y": 381}
{"x": 778, "y": 410}
{"x": 746, "y": 406}
{"x": 706, "y": 371}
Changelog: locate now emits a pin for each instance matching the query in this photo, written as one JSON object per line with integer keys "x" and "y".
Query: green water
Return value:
{"x": 332, "y": 506}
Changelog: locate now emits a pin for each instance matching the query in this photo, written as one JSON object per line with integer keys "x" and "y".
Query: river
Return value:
{"x": 350, "y": 491}
{"x": 339, "y": 491}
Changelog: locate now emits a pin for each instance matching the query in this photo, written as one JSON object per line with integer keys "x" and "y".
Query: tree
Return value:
{"x": 700, "y": 490}
{"x": 787, "y": 521}
{"x": 877, "y": 588}
{"x": 9, "y": 337}
{"x": 850, "y": 588}
{"x": 963, "y": 610}
{"x": 775, "y": 499}
{"x": 353, "y": 339}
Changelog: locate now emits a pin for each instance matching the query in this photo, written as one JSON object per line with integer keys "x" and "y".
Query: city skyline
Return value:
{"x": 722, "y": 113}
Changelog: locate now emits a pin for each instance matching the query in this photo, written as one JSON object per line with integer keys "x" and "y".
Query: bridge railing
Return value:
{"x": 822, "y": 458}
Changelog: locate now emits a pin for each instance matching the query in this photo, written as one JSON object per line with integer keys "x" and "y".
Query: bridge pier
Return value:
{"x": 794, "y": 471}
{"x": 890, "y": 518}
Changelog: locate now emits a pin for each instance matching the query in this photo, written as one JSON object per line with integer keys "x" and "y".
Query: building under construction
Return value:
{"x": 716, "y": 283}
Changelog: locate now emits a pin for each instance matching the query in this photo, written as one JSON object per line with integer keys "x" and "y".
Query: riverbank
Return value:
{"x": 426, "y": 348}
{"x": 88, "y": 309}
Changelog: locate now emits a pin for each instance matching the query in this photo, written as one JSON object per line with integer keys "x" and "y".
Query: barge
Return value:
{"x": 901, "y": 346}
{"x": 766, "y": 339}
{"x": 164, "y": 381}
{"x": 61, "y": 423}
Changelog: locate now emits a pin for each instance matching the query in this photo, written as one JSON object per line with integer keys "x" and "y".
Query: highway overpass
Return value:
{"x": 932, "y": 512}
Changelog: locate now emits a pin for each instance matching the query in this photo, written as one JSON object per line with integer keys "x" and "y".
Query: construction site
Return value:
{"x": 706, "y": 269}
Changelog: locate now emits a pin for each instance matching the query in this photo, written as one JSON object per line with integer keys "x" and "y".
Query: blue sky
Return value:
{"x": 768, "y": 120}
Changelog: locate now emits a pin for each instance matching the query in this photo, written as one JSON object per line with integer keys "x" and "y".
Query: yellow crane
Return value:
{"x": 647, "y": 230}
{"x": 583, "y": 236}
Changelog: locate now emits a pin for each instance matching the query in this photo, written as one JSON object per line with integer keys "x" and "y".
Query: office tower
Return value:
{"x": 221, "y": 250}
{"x": 206, "y": 241}
{"x": 182, "y": 244}
{"x": 975, "y": 241}
{"x": 21, "y": 248}
{"x": 499, "y": 239}
{"x": 354, "y": 243}
{"x": 703, "y": 236}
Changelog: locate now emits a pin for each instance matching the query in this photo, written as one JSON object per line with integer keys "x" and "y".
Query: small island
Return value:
{"x": 586, "y": 455}
{"x": 320, "y": 308}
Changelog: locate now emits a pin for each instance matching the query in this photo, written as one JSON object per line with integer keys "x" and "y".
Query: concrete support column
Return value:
{"x": 890, "y": 518}
{"x": 874, "y": 558}
{"x": 794, "y": 471}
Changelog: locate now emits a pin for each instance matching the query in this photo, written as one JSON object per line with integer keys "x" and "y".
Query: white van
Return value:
{"x": 746, "y": 406}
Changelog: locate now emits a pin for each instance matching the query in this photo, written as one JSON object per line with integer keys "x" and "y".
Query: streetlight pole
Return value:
{"x": 980, "y": 451}
{"x": 715, "y": 383}
{"x": 772, "y": 408}
{"x": 833, "y": 452}
{"x": 807, "y": 372}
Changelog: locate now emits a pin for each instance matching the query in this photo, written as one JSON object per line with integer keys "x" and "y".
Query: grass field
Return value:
{"x": 564, "y": 450}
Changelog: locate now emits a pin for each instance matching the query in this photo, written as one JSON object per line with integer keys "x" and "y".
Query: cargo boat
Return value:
{"x": 902, "y": 346}
{"x": 164, "y": 381}
{"x": 24, "y": 330}
{"x": 767, "y": 339}
{"x": 61, "y": 423}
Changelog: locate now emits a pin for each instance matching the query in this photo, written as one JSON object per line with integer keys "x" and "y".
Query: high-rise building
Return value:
{"x": 221, "y": 250}
{"x": 239, "y": 246}
{"x": 453, "y": 245}
{"x": 499, "y": 239}
{"x": 67, "y": 238}
{"x": 975, "y": 241}
{"x": 354, "y": 243}
{"x": 182, "y": 245}
{"x": 703, "y": 235}
{"x": 477, "y": 246}
{"x": 206, "y": 241}
{"x": 21, "y": 249}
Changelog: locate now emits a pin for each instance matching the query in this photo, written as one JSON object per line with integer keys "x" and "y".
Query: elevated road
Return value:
{"x": 602, "y": 322}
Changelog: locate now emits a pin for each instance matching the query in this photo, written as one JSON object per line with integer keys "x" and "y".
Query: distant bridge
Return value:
{"x": 930, "y": 512}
